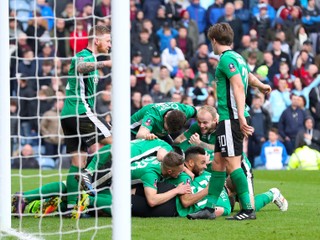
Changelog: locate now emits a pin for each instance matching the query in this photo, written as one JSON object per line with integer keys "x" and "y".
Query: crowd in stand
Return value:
{"x": 171, "y": 60}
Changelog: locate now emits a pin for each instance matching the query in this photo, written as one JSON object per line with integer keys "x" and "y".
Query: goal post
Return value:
{"x": 5, "y": 162}
{"x": 121, "y": 204}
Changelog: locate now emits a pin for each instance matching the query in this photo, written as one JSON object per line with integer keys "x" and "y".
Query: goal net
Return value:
{"x": 44, "y": 37}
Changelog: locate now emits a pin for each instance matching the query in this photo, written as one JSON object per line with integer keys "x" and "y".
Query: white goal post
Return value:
{"x": 5, "y": 163}
{"x": 121, "y": 206}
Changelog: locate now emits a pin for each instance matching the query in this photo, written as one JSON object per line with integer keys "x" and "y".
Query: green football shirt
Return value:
{"x": 230, "y": 64}
{"x": 81, "y": 88}
{"x": 198, "y": 184}
{"x": 151, "y": 116}
{"x": 147, "y": 172}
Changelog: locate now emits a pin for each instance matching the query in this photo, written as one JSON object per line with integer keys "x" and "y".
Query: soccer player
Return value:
{"x": 232, "y": 76}
{"x": 81, "y": 126}
{"x": 202, "y": 132}
{"x": 140, "y": 149}
{"x": 160, "y": 119}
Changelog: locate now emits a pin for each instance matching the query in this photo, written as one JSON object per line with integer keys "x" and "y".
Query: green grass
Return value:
{"x": 301, "y": 221}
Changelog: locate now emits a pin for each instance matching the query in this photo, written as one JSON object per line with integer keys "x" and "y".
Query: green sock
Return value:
{"x": 100, "y": 159}
{"x": 215, "y": 188}
{"x": 102, "y": 201}
{"x": 46, "y": 191}
{"x": 73, "y": 188}
{"x": 240, "y": 181}
{"x": 262, "y": 200}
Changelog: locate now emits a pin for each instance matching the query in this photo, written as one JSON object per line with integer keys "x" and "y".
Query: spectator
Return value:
{"x": 290, "y": 123}
{"x": 186, "y": 73}
{"x": 253, "y": 48}
{"x": 88, "y": 18}
{"x": 144, "y": 46}
{"x": 149, "y": 80}
{"x": 304, "y": 158}
{"x": 262, "y": 22}
{"x": 27, "y": 66}
{"x": 204, "y": 74}
{"x": 177, "y": 88}
{"x": 235, "y": 23}
{"x": 47, "y": 13}
{"x": 160, "y": 20}
{"x": 273, "y": 153}
{"x": 103, "y": 102}
{"x": 137, "y": 22}
{"x": 146, "y": 99}
{"x": 14, "y": 125}
{"x": 25, "y": 158}
{"x": 45, "y": 73}
{"x": 157, "y": 95}
{"x": 215, "y": 11}
{"x": 244, "y": 15}
{"x": 155, "y": 65}
{"x": 171, "y": 57}
{"x": 173, "y": 10}
{"x": 273, "y": 66}
{"x": 22, "y": 10}
{"x": 278, "y": 54}
{"x": 201, "y": 54}
{"x": 69, "y": 14}
{"x": 284, "y": 74}
{"x": 184, "y": 42}
{"x": 150, "y": 8}
{"x": 199, "y": 92}
{"x": 103, "y": 9}
{"x": 135, "y": 102}
{"x": 289, "y": 12}
{"x": 133, "y": 10}
{"x": 306, "y": 46}
{"x": 300, "y": 37}
{"x": 308, "y": 136}
{"x": 165, "y": 81}
{"x": 147, "y": 24}
{"x": 78, "y": 38}
{"x": 191, "y": 26}
{"x": 165, "y": 34}
{"x": 51, "y": 131}
{"x": 61, "y": 34}
{"x": 198, "y": 14}
{"x": 261, "y": 122}
{"x": 279, "y": 101}
{"x": 314, "y": 100}
{"x": 270, "y": 11}
{"x": 213, "y": 63}
{"x": 252, "y": 61}
{"x": 138, "y": 68}
{"x": 176, "y": 97}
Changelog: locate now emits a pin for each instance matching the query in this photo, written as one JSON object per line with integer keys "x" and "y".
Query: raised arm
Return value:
{"x": 255, "y": 82}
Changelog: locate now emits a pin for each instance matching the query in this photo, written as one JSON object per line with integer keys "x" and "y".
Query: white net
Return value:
{"x": 44, "y": 36}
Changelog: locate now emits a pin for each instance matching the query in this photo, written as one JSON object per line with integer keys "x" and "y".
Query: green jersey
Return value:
{"x": 147, "y": 172}
{"x": 81, "y": 88}
{"x": 198, "y": 184}
{"x": 152, "y": 116}
{"x": 230, "y": 64}
{"x": 140, "y": 148}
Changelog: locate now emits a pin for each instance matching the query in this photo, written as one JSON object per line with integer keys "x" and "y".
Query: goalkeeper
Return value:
{"x": 81, "y": 126}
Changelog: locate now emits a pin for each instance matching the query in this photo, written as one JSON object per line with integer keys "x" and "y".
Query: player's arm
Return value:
{"x": 85, "y": 67}
{"x": 145, "y": 133}
{"x": 195, "y": 140}
{"x": 255, "y": 82}
{"x": 181, "y": 138}
{"x": 188, "y": 200}
{"x": 155, "y": 199}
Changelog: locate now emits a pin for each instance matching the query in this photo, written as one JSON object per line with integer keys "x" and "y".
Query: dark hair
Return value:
{"x": 192, "y": 151}
{"x": 274, "y": 130}
{"x": 175, "y": 120}
{"x": 172, "y": 159}
{"x": 222, "y": 33}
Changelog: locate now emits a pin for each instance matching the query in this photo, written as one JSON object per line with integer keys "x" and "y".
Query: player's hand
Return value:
{"x": 245, "y": 128}
{"x": 195, "y": 139}
{"x": 151, "y": 136}
{"x": 265, "y": 89}
{"x": 183, "y": 189}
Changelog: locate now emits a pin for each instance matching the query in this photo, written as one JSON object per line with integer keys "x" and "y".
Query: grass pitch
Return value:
{"x": 301, "y": 221}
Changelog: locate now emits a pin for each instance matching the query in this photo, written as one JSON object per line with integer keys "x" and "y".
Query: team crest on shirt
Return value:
{"x": 232, "y": 68}
{"x": 155, "y": 183}
{"x": 148, "y": 122}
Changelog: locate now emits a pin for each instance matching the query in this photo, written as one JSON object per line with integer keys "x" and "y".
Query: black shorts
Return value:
{"x": 82, "y": 131}
{"x": 229, "y": 138}
{"x": 140, "y": 207}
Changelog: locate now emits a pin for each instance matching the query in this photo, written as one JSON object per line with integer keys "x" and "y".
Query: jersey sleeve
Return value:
{"x": 150, "y": 179}
{"x": 192, "y": 130}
